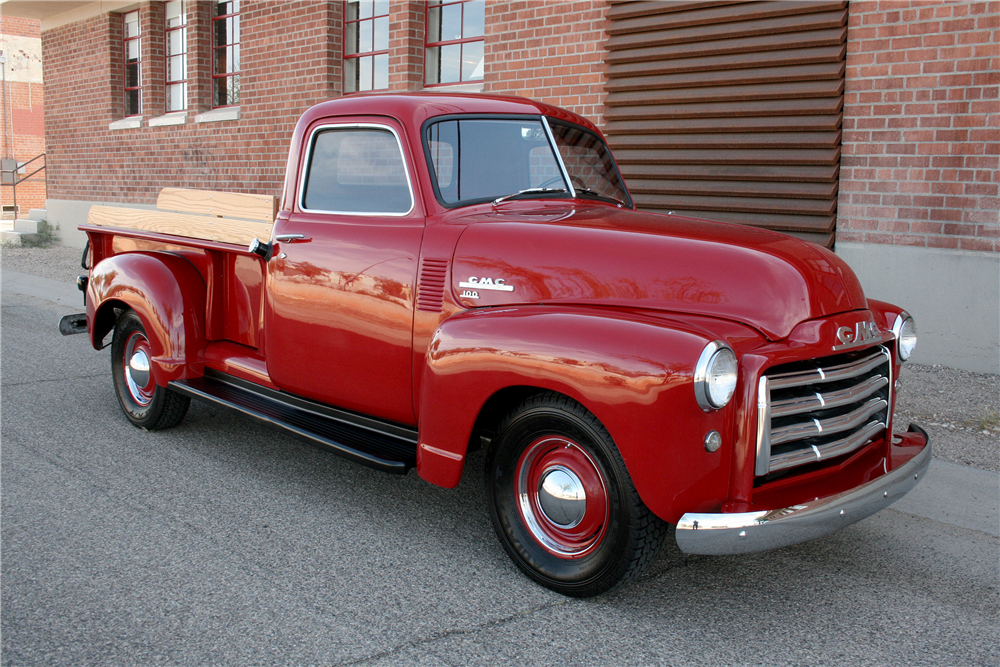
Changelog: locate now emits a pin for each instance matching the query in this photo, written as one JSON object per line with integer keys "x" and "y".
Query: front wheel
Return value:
{"x": 145, "y": 404}
{"x": 562, "y": 501}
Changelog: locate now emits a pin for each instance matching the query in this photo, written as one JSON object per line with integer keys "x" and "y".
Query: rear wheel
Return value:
{"x": 145, "y": 404}
{"x": 562, "y": 501}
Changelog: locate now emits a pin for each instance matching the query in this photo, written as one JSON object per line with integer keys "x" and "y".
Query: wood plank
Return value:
{"x": 222, "y": 230}
{"x": 754, "y": 76}
{"x": 819, "y": 123}
{"x": 729, "y": 61}
{"x": 817, "y": 156}
{"x": 729, "y": 109}
{"x": 748, "y": 204}
{"x": 261, "y": 208}
{"x": 757, "y": 43}
{"x": 784, "y": 190}
{"x": 770, "y": 27}
{"x": 735, "y": 140}
{"x": 769, "y": 91}
{"x": 722, "y": 172}
{"x": 708, "y": 16}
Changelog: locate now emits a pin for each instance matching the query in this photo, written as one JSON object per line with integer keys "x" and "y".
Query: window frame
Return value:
{"x": 167, "y": 55}
{"x": 450, "y": 42}
{"x": 364, "y": 54}
{"x": 307, "y": 165}
{"x": 125, "y": 62}
{"x": 215, "y": 47}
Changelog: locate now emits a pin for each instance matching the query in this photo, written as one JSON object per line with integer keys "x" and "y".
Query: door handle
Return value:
{"x": 292, "y": 238}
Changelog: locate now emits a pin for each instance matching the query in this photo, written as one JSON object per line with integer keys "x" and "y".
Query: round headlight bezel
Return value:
{"x": 715, "y": 353}
{"x": 905, "y": 331}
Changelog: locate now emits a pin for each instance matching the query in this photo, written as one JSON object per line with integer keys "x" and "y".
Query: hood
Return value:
{"x": 605, "y": 256}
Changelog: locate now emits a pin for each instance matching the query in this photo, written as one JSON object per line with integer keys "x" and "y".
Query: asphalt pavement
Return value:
{"x": 221, "y": 542}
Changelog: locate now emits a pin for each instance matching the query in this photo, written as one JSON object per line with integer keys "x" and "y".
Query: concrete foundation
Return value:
{"x": 953, "y": 295}
{"x": 68, "y": 214}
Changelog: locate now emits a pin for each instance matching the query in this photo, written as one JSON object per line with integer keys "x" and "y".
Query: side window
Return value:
{"x": 356, "y": 170}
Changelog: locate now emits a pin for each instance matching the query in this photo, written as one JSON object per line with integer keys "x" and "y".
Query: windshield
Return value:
{"x": 475, "y": 160}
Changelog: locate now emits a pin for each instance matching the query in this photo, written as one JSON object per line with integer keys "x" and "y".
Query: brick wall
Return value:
{"x": 921, "y": 143}
{"x": 23, "y": 136}
{"x": 291, "y": 59}
{"x": 549, "y": 51}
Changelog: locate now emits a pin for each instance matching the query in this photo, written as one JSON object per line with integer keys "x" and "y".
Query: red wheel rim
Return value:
{"x": 562, "y": 524}
{"x": 136, "y": 366}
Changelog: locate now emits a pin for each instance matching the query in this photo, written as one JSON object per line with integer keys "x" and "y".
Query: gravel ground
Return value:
{"x": 54, "y": 262}
{"x": 959, "y": 409}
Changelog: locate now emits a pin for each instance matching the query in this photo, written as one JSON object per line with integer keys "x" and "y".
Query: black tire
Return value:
{"x": 145, "y": 404}
{"x": 588, "y": 548}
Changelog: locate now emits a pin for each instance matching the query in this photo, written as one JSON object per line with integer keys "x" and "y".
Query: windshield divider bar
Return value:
{"x": 555, "y": 149}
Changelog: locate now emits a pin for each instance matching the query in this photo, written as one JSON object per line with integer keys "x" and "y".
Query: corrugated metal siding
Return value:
{"x": 730, "y": 111}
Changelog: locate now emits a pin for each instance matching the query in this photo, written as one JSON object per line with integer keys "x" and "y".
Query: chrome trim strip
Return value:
{"x": 555, "y": 149}
{"x": 835, "y": 399}
{"x": 763, "y": 463}
{"x": 832, "y": 374}
{"x": 748, "y": 532}
{"x": 846, "y": 422}
{"x": 827, "y": 451}
{"x": 341, "y": 126}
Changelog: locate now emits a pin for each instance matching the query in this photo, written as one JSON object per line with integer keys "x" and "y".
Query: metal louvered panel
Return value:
{"x": 430, "y": 292}
{"x": 730, "y": 111}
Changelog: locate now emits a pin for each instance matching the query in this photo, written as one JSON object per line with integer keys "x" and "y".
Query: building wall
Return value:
{"x": 920, "y": 170}
{"x": 548, "y": 51}
{"x": 921, "y": 146}
{"x": 290, "y": 61}
{"x": 24, "y": 124}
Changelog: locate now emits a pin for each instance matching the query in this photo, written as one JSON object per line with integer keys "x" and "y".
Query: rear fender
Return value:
{"x": 634, "y": 373}
{"x": 168, "y": 295}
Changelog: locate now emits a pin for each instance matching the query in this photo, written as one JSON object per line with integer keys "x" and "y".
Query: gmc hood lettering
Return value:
{"x": 497, "y": 284}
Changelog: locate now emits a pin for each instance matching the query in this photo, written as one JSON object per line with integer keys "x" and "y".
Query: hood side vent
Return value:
{"x": 430, "y": 294}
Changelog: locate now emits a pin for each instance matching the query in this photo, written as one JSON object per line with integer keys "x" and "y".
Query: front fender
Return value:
{"x": 168, "y": 294}
{"x": 633, "y": 372}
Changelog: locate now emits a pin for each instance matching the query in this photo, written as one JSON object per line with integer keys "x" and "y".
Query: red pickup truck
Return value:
{"x": 450, "y": 272}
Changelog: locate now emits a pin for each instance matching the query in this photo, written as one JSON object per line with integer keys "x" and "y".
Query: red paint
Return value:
{"x": 611, "y": 307}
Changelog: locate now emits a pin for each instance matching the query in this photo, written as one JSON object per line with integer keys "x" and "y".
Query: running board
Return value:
{"x": 381, "y": 445}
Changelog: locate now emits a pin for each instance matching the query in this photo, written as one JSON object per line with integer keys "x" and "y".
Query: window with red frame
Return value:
{"x": 175, "y": 35}
{"x": 226, "y": 53}
{"x": 455, "y": 38}
{"x": 366, "y": 45}
{"x": 132, "y": 50}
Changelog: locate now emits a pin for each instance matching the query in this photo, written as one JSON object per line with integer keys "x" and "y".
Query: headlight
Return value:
{"x": 715, "y": 376}
{"x": 906, "y": 335}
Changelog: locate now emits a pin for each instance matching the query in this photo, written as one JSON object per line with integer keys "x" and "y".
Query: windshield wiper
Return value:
{"x": 600, "y": 195}
{"x": 528, "y": 191}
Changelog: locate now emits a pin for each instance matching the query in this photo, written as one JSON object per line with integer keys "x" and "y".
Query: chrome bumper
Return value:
{"x": 746, "y": 532}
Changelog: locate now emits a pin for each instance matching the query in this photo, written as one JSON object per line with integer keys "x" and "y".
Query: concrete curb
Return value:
{"x": 952, "y": 494}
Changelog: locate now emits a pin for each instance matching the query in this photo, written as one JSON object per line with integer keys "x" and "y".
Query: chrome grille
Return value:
{"x": 820, "y": 409}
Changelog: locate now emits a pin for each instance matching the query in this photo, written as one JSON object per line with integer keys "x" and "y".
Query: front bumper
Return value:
{"x": 746, "y": 532}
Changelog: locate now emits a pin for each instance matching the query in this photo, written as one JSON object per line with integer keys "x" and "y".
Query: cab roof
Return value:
{"x": 417, "y": 107}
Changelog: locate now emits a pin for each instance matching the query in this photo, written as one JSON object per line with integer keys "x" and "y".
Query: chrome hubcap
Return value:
{"x": 562, "y": 497}
{"x": 138, "y": 377}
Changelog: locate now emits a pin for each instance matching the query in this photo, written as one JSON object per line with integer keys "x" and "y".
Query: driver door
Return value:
{"x": 341, "y": 284}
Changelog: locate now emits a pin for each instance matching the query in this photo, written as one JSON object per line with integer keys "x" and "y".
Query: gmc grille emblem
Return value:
{"x": 863, "y": 333}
